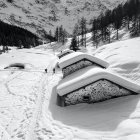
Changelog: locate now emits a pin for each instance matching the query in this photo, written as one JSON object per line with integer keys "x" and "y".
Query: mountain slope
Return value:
{"x": 39, "y": 16}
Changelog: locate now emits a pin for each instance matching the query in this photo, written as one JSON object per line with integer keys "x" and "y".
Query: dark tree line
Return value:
{"x": 47, "y": 36}
{"x": 15, "y": 36}
{"x": 79, "y": 35}
{"x": 74, "y": 45}
{"x": 124, "y": 15}
{"x": 10, "y": 1}
{"x": 61, "y": 34}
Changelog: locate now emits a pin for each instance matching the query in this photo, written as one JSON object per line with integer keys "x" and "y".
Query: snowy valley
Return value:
{"x": 28, "y": 107}
{"x": 39, "y": 67}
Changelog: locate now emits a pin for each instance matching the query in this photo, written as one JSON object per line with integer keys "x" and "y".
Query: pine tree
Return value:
{"x": 117, "y": 16}
{"x": 64, "y": 37}
{"x": 73, "y": 45}
{"x": 50, "y": 33}
{"x": 95, "y": 33}
{"x": 76, "y": 33}
{"x": 135, "y": 31}
{"x": 57, "y": 34}
{"x": 83, "y": 30}
{"x": 85, "y": 34}
{"x": 102, "y": 26}
{"x": 60, "y": 33}
{"x": 10, "y": 1}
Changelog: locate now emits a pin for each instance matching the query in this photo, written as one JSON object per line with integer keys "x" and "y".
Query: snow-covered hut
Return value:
{"x": 79, "y": 60}
{"x": 64, "y": 53}
{"x": 92, "y": 85}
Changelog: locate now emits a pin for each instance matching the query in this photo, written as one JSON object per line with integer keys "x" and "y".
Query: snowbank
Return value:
{"x": 123, "y": 58}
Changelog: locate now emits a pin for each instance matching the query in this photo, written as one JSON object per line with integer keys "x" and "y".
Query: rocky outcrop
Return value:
{"x": 47, "y": 14}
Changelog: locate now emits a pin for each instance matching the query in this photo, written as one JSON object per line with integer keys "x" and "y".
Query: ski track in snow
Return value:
{"x": 40, "y": 100}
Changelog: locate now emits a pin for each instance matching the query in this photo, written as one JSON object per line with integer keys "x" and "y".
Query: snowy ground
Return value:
{"x": 28, "y": 109}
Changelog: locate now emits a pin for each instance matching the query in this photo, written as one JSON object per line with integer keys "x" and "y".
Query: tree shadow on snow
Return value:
{"x": 103, "y": 116}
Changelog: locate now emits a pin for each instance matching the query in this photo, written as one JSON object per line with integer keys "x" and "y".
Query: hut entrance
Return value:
{"x": 86, "y": 98}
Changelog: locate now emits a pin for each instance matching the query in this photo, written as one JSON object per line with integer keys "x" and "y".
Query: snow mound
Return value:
{"x": 123, "y": 57}
{"x": 19, "y": 66}
{"x": 16, "y": 66}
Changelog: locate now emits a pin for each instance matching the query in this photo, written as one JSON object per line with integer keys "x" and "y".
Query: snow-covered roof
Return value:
{"x": 65, "y": 52}
{"x": 77, "y": 56}
{"x": 90, "y": 75}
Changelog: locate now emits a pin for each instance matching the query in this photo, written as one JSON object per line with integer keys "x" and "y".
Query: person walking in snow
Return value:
{"x": 53, "y": 70}
{"x": 46, "y": 70}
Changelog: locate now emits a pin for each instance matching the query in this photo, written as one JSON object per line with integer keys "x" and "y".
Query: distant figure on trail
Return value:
{"x": 46, "y": 70}
{"x": 53, "y": 70}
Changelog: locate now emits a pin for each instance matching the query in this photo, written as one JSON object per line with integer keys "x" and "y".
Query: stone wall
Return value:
{"x": 76, "y": 66}
{"x": 95, "y": 92}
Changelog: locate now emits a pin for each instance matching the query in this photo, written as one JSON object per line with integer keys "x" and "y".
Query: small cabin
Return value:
{"x": 78, "y": 60}
{"x": 93, "y": 85}
{"x": 64, "y": 53}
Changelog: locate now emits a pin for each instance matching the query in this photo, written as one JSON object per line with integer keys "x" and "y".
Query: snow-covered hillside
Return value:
{"x": 127, "y": 63}
{"x": 28, "y": 109}
{"x": 37, "y": 16}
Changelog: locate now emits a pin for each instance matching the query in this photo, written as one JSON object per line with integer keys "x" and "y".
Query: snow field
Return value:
{"x": 21, "y": 92}
{"x": 28, "y": 109}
